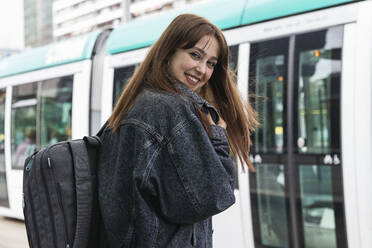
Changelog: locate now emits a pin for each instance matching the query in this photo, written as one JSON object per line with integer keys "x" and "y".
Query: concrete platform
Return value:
{"x": 12, "y": 233}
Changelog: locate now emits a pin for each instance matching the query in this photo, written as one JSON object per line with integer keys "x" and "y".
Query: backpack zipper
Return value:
{"x": 60, "y": 204}
{"x": 54, "y": 232}
{"x": 30, "y": 162}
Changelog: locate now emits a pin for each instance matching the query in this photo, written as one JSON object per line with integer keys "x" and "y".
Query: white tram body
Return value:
{"x": 311, "y": 61}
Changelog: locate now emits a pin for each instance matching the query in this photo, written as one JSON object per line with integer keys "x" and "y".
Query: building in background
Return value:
{"x": 75, "y": 17}
{"x": 38, "y": 22}
{"x": 11, "y": 27}
{"x": 33, "y": 23}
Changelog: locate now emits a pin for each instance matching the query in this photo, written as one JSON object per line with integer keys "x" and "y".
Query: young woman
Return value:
{"x": 165, "y": 165}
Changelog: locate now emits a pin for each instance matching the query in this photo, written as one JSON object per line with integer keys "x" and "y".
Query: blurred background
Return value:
{"x": 32, "y": 23}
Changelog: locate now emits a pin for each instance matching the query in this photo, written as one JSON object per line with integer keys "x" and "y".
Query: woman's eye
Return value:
{"x": 195, "y": 55}
{"x": 211, "y": 64}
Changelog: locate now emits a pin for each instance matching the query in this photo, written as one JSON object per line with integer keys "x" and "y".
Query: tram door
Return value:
{"x": 3, "y": 185}
{"x": 296, "y": 192}
{"x": 121, "y": 78}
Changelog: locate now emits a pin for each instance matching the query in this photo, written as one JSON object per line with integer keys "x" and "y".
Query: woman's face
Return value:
{"x": 193, "y": 67}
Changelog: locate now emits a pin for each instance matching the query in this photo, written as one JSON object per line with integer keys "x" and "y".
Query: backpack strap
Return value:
{"x": 100, "y": 132}
{"x": 92, "y": 141}
{"x": 84, "y": 192}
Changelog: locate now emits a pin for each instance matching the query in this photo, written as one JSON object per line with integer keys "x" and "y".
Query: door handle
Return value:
{"x": 328, "y": 159}
{"x": 256, "y": 159}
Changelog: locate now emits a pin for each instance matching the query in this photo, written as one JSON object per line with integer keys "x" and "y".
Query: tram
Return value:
{"x": 308, "y": 66}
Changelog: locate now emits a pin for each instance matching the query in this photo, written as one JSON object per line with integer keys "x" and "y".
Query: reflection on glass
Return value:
{"x": 318, "y": 98}
{"x": 121, "y": 78}
{"x": 3, "y": 187}
{"x": 272, "y": 205}
{"x": 317, "y": 206}
{"x": 47, "y": 103}
{"x": 269, "y": 79}
{"x": 55, "y": 110}
{"x": 23, "y": 139}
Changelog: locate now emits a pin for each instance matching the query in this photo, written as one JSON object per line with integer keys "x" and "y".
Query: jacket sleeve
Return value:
{"x": 193, "y": 175}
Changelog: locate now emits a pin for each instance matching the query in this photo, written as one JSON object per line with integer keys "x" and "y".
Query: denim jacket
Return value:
{"x": 161, "y": 177}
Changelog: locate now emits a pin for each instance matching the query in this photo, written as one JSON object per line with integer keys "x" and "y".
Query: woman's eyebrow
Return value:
{"x": 204, "y": 53}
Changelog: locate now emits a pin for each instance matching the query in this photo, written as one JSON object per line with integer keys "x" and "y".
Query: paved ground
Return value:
{"x": 12, "y": 233}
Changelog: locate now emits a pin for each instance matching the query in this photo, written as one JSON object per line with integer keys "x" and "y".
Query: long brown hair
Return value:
{"x": 183, "y": 33}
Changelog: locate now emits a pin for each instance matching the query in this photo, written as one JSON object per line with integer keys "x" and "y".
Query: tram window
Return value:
{"x": 268, "y": 82}
{"x": 317, "y": 115}
{"x": 41, "y": 115}
{"x": 317, "y": 206}
{"x": 3, "y": 185}
{"x": 272, "y": 210}
{"x": 121, "y": 78}
{"x": 234, "y": 51}
{"x": 318, "y": 93}
{"x": 55, "y": 110}
{"x": 24, "y": 107}
{"x": 2, "y": 117}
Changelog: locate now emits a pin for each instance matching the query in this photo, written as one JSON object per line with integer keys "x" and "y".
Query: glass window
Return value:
{"x": 234, "y": 52}
{"x": 318, "y": 213}
{"x": 317, "y": 117}
{"x": 316, "y": 95}
{"x": 24, "y": 104}
{"x": 3, "y": 185}
{"x": 55, "y": 110}
{"x": 268, "y": 78}
{"x": 318, "y": 114}
{"x": 268, "y": 75}
{"x": 121, "y": 78}
{"x": 41, "y": 115}
{"x": 269, "y": 85}
{"x": 272, "y": 211}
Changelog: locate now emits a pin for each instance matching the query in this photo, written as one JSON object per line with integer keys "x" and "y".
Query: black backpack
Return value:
{"x": 60, "y": 198}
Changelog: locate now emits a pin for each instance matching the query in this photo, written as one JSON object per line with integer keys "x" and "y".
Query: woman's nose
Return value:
{"x": 201, "y": 68}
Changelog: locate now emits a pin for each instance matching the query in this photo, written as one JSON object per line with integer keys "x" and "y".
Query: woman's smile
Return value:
{"x": 192, "y": 79}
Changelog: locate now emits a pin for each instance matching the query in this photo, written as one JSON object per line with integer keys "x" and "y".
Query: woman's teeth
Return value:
{"x": 193, "y": 79}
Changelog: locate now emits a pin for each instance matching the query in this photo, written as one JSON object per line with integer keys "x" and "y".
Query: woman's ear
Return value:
{"x": 168, "y": 61}
{"x": 169, "y": 58}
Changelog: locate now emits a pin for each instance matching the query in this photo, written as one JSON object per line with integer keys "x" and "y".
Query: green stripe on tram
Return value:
{"x": 225, "y": 14}
{"x": 262, "y": 10}
{"x": 67, "y": 51}
{"x": 144, "y": 31}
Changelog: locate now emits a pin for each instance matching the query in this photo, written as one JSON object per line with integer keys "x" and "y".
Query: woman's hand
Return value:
{"x": 220, "y": 122}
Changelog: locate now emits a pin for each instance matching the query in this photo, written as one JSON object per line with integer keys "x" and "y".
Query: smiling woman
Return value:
{"x": 168, "y": 148}
{"x": 193, "y": 67}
